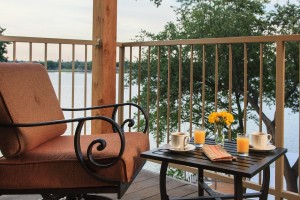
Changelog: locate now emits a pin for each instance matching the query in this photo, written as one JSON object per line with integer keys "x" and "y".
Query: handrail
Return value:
{"x": 224, "y": 40}
{"x": 47, "y": 40}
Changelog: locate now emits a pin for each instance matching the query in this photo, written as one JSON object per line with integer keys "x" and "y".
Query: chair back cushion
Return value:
{"x": 27, "y": 96}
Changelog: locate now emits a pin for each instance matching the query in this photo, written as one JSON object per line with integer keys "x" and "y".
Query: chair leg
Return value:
{"x": 52, "y": 196}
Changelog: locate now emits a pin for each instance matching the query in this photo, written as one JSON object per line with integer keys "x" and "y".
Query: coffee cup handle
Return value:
{"x": 269, "y": 138}
{"x": 186, "y": 140}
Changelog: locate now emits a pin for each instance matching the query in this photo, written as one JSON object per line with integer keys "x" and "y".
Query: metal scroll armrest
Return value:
{"x": 89, "y": 163}
{"x": 114, "y": 112}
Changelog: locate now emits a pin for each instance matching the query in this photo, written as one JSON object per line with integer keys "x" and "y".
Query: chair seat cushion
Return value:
{"x": 54, "y": 163}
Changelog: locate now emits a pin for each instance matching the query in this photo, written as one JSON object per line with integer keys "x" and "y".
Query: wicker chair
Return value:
{"x": 39, "y": 159}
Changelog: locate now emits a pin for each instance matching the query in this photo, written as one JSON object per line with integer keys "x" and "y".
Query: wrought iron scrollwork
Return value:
{"x": 114, "y": 113}
{"x": 129, "y": 121}
{"x": 101, "y": 142}
{"x": 86, "y": 164}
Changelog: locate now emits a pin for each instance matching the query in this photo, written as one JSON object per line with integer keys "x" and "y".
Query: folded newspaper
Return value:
{"x": 217, "y": 153}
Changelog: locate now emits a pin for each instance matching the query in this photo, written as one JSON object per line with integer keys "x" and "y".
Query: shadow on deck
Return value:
{"x": 145, "y": 186}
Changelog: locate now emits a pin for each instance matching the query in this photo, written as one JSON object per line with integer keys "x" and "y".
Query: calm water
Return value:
{"x": 291, "y": 120}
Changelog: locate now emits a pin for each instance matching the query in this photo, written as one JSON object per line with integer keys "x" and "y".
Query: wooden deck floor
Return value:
{"x": 145, "y": 186}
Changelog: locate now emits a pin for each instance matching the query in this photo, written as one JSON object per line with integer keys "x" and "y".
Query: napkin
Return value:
{"x": 217, "y": 153}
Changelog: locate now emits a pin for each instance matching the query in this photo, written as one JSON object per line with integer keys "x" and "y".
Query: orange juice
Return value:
{"x": 242, "y": 145}
{"x": 199, "y": 137}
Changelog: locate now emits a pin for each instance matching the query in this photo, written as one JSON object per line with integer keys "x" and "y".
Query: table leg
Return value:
{"x": 162, "y": 180}
{"x": 200, "y": 182}
{"x": 238, "y": 187}
{"x": 265, "y": 184}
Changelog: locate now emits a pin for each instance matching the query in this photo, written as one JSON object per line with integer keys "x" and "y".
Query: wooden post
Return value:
{"x": 104, "y": 60}
{"x": 279, "y": 120}
{"x": 121, "y": 83}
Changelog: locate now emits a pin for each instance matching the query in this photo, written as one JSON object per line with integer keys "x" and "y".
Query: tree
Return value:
{"x": 219, "y": 18}
{"x": 3, "y": 50}
{"x": 157, "y": 2}
{"x": 286, "y": 20}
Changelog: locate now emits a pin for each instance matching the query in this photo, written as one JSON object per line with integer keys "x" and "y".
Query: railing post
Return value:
{"x": 104, "y": 59}
{"x": 279, "y": 120}
{"x": 121, "y": 83}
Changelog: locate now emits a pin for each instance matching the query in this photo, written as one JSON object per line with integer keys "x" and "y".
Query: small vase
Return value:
{"x": 219, "y": 136}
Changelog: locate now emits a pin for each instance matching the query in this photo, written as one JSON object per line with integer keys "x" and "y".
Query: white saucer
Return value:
{"x": 269, "y": 147}
{"x": 188, "y": 147}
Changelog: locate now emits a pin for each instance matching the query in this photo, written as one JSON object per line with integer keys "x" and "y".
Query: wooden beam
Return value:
{"x": 104, "y": 60}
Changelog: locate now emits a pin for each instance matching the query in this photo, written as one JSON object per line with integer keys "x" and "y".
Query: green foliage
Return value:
{"x": 3, "y": 49}
{"x": 157, "y": 2}
{"x": 176, "y": 173}
{"x": 213, "y": 19}
{"x": 286, "y": 20}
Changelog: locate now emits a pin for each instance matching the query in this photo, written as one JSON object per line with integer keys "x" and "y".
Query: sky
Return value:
{"x": 72, "y": 19}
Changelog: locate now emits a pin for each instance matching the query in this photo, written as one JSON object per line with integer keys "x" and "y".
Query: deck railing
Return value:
{"x": 139, "y": 58}
{"x": 133, "y": 55}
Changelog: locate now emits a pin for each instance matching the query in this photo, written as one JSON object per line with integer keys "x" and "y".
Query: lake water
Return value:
{"x": 291, "y": 123}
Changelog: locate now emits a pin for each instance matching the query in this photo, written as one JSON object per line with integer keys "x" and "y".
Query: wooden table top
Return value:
{"x": 246, "y": 166}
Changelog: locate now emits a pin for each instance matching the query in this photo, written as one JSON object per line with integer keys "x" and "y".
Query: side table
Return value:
{"x": 242, "y": 167}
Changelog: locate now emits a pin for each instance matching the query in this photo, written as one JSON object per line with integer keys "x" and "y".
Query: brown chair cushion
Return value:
{"x": 54, "y": 164}
{"x": 27, "y": 84}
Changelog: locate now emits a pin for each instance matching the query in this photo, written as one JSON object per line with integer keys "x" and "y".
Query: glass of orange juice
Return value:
{"x": 199, "y": 137}
{"x": 242, "y": 145}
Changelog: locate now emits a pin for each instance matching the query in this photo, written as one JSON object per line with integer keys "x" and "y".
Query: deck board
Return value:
{"x": 145, "y": 186}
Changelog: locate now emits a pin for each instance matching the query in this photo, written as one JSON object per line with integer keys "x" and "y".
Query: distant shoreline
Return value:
{"x": 68, "y": 70}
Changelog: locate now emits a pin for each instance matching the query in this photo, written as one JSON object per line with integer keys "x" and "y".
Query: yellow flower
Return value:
{"x": 222, "y": 117}
{"x": 213, "y": 117}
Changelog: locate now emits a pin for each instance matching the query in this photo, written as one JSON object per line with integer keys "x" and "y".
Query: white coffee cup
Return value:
{"x": 260, "y": 140}
{"x": 179, "y": 140}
